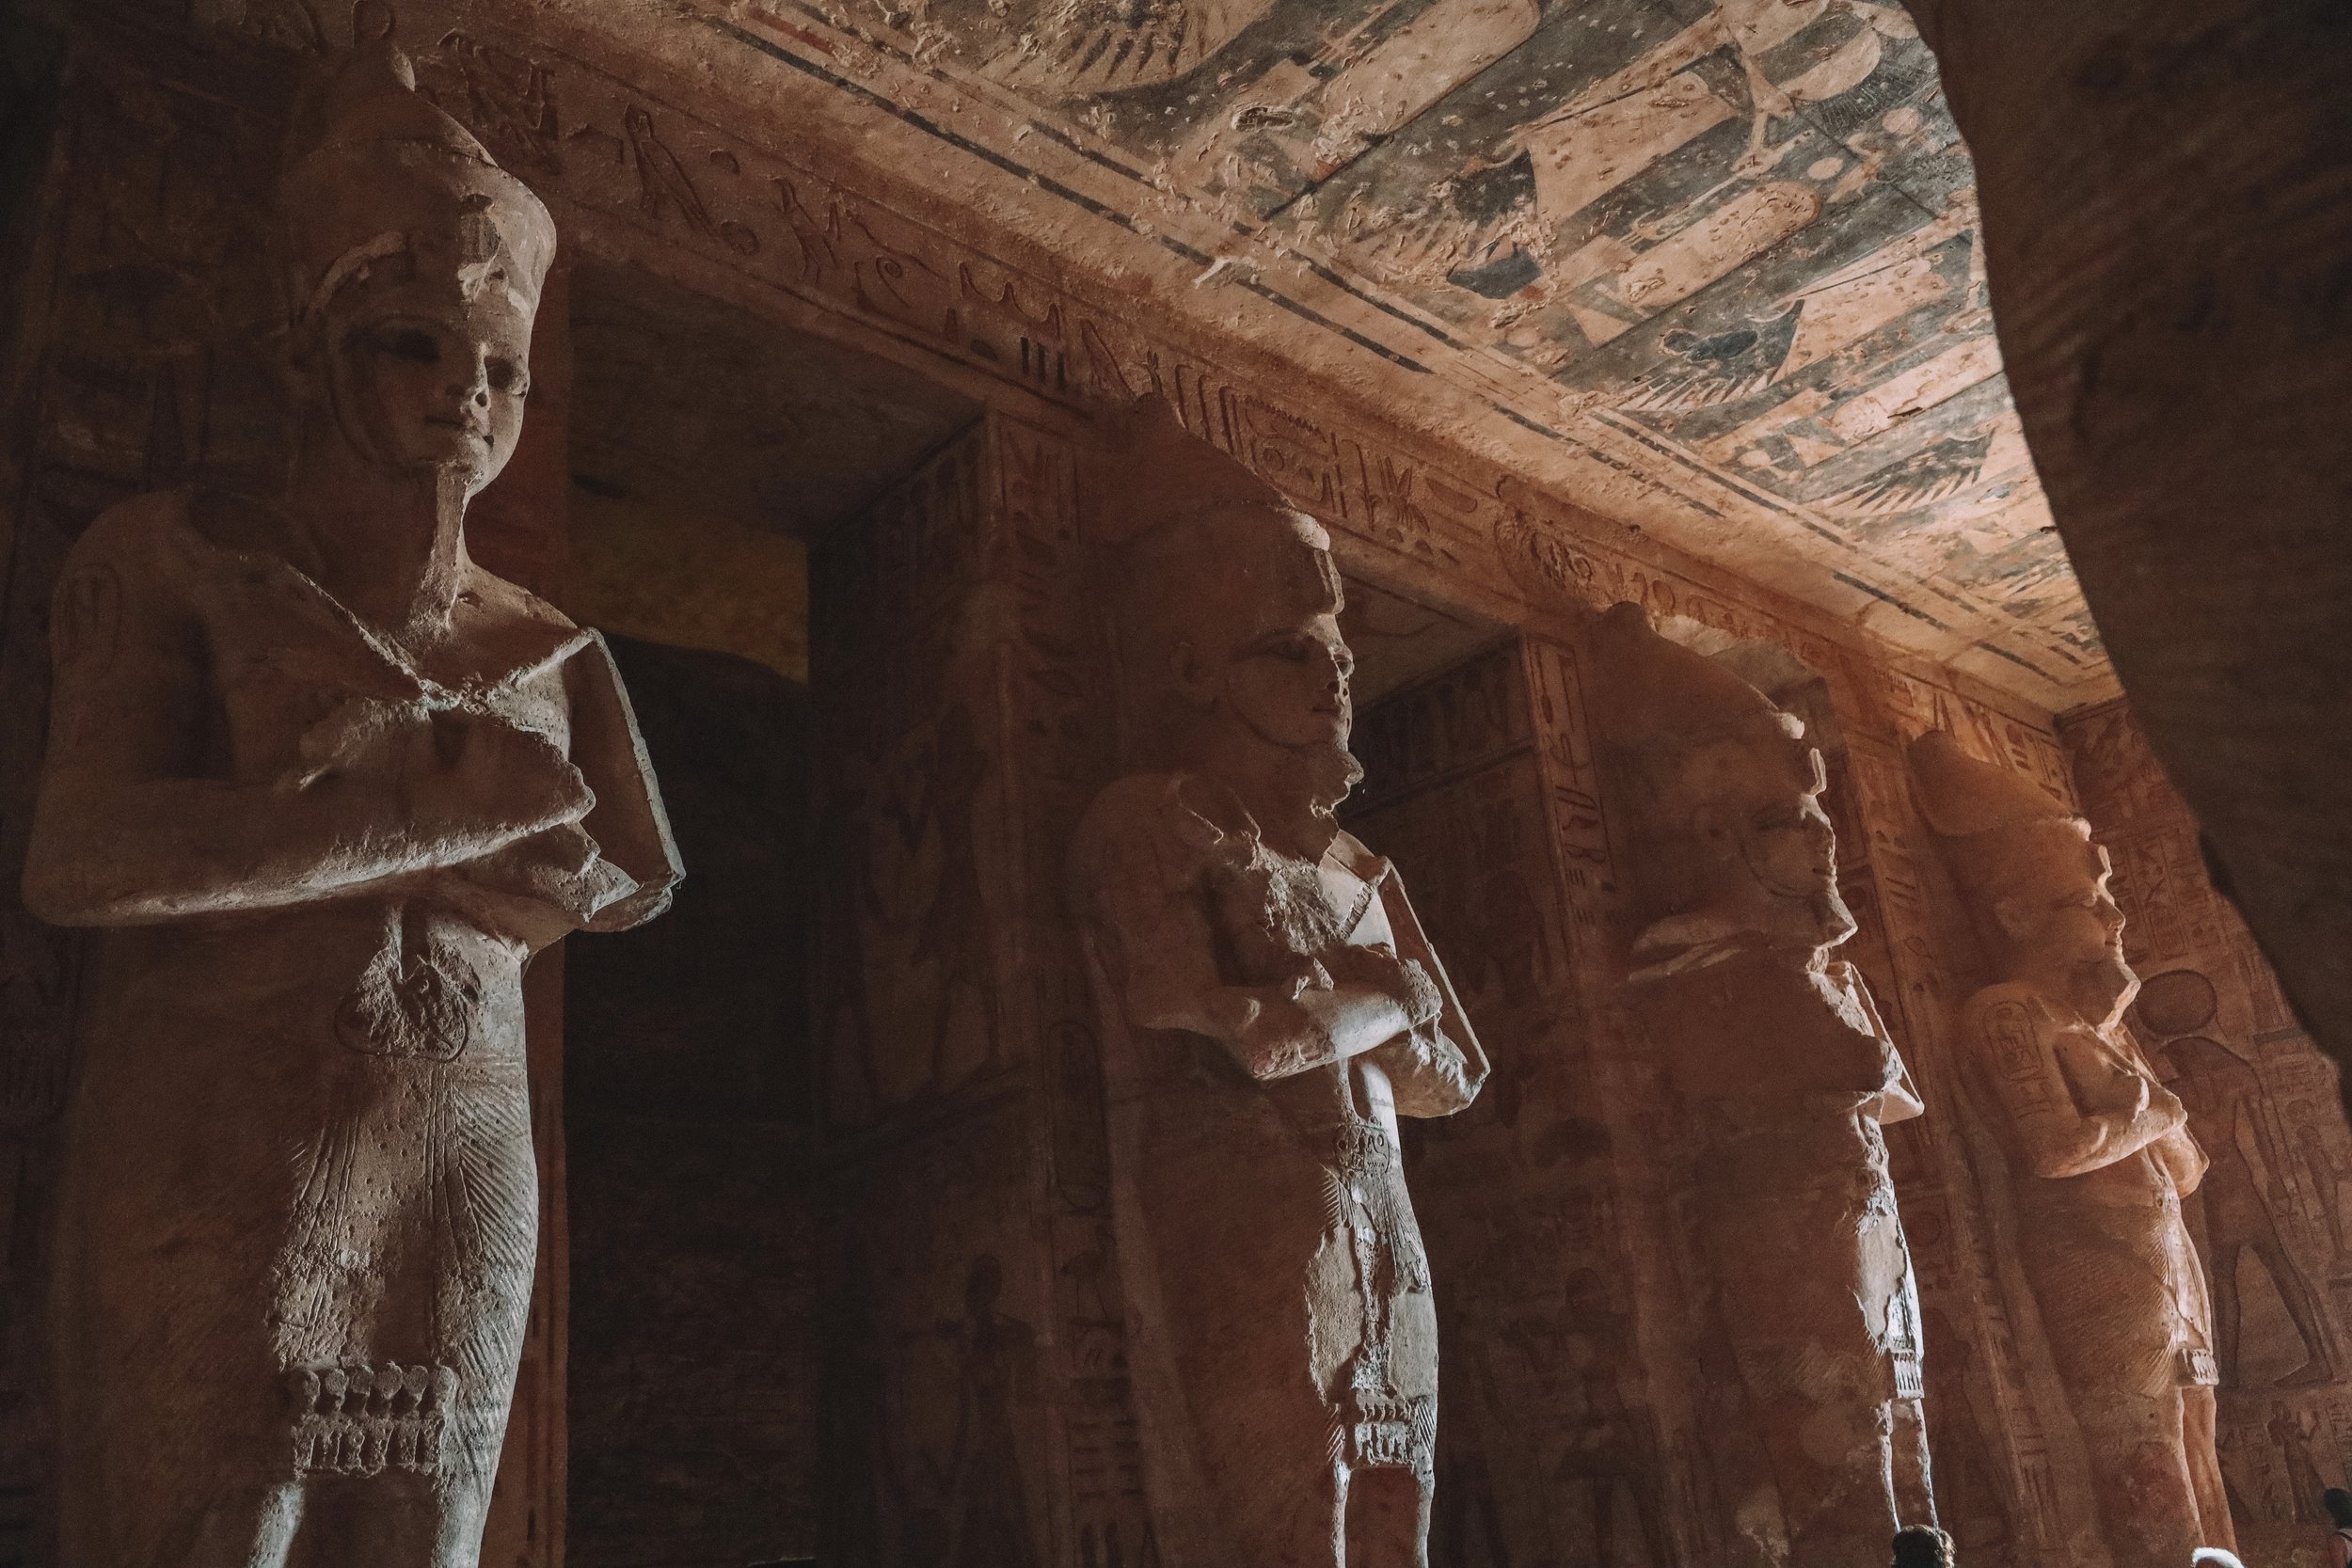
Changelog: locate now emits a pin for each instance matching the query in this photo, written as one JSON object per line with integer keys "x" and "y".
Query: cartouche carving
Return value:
{"x": 2099, "y": 1151}
{"x": 1270, "y": 1007}
{"x": 328, "y": 785}
{"x": 1779, "y": 1053}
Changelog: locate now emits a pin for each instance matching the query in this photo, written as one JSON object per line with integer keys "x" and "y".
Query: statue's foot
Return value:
{"x": 2310, "y": 1372}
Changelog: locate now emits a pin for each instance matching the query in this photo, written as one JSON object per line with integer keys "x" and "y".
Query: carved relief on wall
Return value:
{"x": 2270, "y": 1216}
{"x": 934, "y": 1381}
{"x": 1553, "y": 1446}
{"x": 908, "y": 996}
{"x": 963, "y": 722}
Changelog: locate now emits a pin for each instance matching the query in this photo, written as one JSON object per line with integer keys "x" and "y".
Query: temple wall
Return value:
{"x": 2273, "y": 1218}
{"x": 973, "y": 1376}
{"x": 1590, "y": 1406}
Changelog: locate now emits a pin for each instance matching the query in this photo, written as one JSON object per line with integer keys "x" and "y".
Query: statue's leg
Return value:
{"x": 2204, "y": 1467}
{"x": 1914, "y": 1485}
{"x": 1387, "y": 1519}
{"x": 463, "y": 1513}
{"x": 394, "y": 1519}
{"x": 2142, "y": 1471}
{"x": 248, "y": 1528}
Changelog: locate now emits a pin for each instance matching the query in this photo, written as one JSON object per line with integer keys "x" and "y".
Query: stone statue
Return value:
{"x": 2099, "y": 1151}
{"x": 1777, "y": 1054}
{"x": 1270, "y": 1007}
{"x": 329, "y": 785}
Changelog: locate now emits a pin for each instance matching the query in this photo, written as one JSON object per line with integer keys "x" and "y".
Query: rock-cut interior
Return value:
{"x": 1174, "y": 784}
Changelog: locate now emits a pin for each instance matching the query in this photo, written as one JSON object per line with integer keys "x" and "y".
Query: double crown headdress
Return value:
{"x": 381, "y": 187}
{"x": 1998, "y": 828}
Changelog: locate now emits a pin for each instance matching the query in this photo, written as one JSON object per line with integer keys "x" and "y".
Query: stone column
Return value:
{"x": 1581, "y": 1414}
{"x": 105, "y": 392}
{"x": 975, "y": 1385}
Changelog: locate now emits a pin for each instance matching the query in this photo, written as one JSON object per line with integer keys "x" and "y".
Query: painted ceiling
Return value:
{"x": 1707, "y": 268}
{"x": 1746, "y": 229}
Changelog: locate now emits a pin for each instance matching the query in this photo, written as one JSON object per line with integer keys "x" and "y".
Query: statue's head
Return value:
{"x": 416, "y": 264}
{"x": 1721, "y": 789}
{"x": 2035, "y": 882}
{"x": 1228, "y": 605}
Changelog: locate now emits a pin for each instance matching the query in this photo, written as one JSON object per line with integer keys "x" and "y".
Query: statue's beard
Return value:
{"x": 1330, "y": 771}
{"x": 2108, "y": 985}
{"x": 1838, "y": 924}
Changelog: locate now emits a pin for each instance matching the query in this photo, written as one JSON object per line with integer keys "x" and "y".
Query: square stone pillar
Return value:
{"x": 975, "y": 1390}
{"x": 1581, "y": 1412}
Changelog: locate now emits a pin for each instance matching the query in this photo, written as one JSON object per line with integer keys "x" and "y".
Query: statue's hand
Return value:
{"x": 1404, "y": 979}
{"x": 469, "y": 771}
{"x": 560, "y": 867}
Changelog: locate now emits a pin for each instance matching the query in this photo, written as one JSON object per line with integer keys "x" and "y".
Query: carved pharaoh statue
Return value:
{"x": 328, "y": 785}
{"x": 1776, "y": 1052}
{"x": 2099, "y": 1151}
{"x": 1270, "y": 1008}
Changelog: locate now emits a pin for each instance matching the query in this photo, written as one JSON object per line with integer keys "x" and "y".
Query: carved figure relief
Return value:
{"x": 910, "y": 999}
{"x": 2229, "y": 1110}
{"x": 2270, "y": 1218}
{"x": 327, "y": 784}
{"x": 1780, "y": 1061}
{"x": 2329, "y": 1169}
{"x": 2099, "y": 1151}
{"x": 1270, "y": 1008}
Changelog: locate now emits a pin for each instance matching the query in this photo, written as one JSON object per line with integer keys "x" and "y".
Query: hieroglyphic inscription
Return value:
{"x": 2262, "y": 1103}
{"x": 626, "y": 156}
{"x": 910, "y": 1004}
{"x": 1057, "y": 706}
{"x": 1565, "y": 1432}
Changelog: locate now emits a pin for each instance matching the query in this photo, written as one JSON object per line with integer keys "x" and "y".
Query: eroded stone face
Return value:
{"x": 1779, "y": 1053}
{"x": 330, "y": 785}
{"x": 2099, "y": 1151}
{"x": 1270, "y": 1008}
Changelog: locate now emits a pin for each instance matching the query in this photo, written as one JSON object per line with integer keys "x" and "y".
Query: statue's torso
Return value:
{"x": 306, "y": 1129}
{"x": 2115, "y": 1272}
{"x": 1271, "y": 1211}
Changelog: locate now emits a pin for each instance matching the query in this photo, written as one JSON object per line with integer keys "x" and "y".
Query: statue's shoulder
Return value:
{"x": 137, "y": 536}
{"x": 510, "y": 604}
{"x": 1178, "y": 821}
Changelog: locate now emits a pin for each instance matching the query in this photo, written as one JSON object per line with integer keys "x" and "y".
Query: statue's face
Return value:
{"x": 1767, "y": 834}
{"x": 1786, "y": 840}
{"x": 1262, "y": 646}
{"x": 2063, "y": 912}
{"x": 438, "y": 386}
{"x": 1290, "y": 685}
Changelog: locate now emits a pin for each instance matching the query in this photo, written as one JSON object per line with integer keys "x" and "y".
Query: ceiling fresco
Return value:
{"x": 1708, "y": 269}
{"x": 1746, "y": 228}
